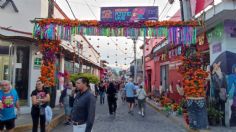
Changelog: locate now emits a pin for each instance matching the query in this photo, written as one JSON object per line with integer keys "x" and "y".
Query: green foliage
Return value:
{"x": 214, "y": 113}
{"x": 92, "y": 78}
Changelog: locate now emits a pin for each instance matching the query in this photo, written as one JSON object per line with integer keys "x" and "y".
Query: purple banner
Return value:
{"x": 131, "y": 14}
{"x": 216, "y": 48}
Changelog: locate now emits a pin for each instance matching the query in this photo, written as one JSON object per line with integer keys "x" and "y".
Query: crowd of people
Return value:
{"x": 76, "y": 98}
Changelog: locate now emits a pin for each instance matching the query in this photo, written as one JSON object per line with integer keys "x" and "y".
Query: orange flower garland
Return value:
{"x": 95, "y": 23}
{"x": 48, "y": 49}
{"x": 194, "y": 76}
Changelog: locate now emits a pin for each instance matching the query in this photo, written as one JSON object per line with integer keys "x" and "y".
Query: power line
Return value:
{"x": 154, "y": 1}
{"x": 164, "y": 8}
{"x": 90, "y": 9}
{"x": 70, "y": 9}
{"x": 168, "y": 11}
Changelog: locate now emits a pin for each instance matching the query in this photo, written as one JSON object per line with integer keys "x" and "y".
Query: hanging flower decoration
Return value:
{"x": 55, "y": 29}
{"x": 48, "y": 49}
{"x": 194, "y": 76}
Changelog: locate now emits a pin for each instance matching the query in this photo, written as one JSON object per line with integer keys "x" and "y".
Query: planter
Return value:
{"x": 197, "y": 113}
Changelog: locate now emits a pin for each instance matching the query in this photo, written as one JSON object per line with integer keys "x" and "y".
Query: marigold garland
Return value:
{"x": 194, "y": 76}
{"x": 48, "y": 49}
{"x": 95, "y": 23}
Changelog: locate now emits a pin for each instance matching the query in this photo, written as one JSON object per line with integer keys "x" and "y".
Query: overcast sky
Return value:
{"x": 116, "y": 49}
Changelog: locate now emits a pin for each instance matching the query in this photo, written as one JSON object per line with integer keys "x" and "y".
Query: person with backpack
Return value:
{"x": 64, "y": 101}
{"x": 141, "y": 95}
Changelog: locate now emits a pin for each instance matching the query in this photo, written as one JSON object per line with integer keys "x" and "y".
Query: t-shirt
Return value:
{"x": 9, "y": 102}
{"x": 129, "y": 89}
{"x": 40, "y": 95}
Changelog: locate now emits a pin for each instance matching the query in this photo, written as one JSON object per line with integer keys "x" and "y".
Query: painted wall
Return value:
{"x": 28, "y": 10}
{"x": 223, "y": 67}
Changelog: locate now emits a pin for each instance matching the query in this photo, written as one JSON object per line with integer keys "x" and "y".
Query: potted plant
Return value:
{"x": 214, "y": 116}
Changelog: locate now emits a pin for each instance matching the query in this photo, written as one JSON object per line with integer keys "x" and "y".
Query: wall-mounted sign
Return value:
{"x": 37, "y": 63}
{"x": 230, "y": 28}
{"x": 216, "y": 48}
{"x": 7, "y": 2}
{"x": 112, "y": 14}
{"x": 216, "y": 34}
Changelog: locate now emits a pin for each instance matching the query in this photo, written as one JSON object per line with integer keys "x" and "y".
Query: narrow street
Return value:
{"x": 124, "y": 122}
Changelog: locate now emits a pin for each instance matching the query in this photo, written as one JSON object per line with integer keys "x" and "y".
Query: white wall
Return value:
{"x": 28, "y": 10}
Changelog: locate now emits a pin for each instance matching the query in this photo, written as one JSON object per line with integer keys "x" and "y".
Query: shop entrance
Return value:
{"x": 14, "y": 67}
{"x": 164, "y": 77}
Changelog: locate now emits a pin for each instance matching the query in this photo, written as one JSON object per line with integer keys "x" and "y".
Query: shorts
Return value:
{"x": 9, "y": 124}
{"x": 130, "y": 99}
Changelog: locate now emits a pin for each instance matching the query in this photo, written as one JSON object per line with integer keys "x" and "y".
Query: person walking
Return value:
{"x": 40, "y": 98}
{"x": 102, "y": 91}
{"x": 141, "y": 95}
{"x": 8, "y": 101}
{"x": 64, "y": 101}
{"x": 83, "y": 111}
{"x": 130, "y": 92}
{"x": 111, "y": 98}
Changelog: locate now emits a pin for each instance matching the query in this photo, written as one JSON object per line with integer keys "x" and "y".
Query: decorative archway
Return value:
{"x": 50, "y": 31}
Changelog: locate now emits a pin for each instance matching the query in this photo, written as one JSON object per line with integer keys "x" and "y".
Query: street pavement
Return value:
{"x": 124, "y": 122}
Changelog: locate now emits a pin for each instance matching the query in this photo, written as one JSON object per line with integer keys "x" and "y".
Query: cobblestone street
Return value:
{"x": 124, "y": 122}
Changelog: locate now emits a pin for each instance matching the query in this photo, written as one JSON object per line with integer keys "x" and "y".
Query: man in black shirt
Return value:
{"x": 83, "y": 112}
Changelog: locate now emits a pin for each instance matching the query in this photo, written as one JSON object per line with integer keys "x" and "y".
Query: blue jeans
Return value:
{"x": 197, "y": 114}
{"x": 102, "y": 97}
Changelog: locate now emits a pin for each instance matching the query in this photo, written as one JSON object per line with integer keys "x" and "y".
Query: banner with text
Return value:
{"x": 131, "y": 14}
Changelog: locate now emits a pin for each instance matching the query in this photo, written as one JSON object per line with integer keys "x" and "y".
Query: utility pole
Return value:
{"x": 135, "y": 60}
{"x": 50, "y": 8}
{"x": 187, "y": 10}
{"x": 52, "y": 90}
{"x": 181, "y": 9}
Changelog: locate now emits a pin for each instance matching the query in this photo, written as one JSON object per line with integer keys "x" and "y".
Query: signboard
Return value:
{"x": 216, "y": 48}
{"x": 131, "y": 14}
{"x": 37, "y": 63}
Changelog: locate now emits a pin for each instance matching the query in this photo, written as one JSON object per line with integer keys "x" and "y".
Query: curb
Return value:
{"x": 174, "y": 120}
{"x": 53, "y": 124}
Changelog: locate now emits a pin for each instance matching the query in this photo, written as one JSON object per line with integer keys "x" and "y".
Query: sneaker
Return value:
{"x": 67, "y": 123}
{"x": 139, "y": 113}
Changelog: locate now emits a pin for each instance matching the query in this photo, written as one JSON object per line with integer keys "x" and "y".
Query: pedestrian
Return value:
{"x": 8, "y": 101}
{"x": 141, "y": 95}
{"x": 135, "y": 94}
{"x": 130, "y": 92}
{"x": 65, "y": 101}
{"x": 40, "y": 98}
{"x": 111, "y": 98}
{"x": 122, "y": 92}
{"x": 102, "y": 91}
{"x": 83, "y": 111}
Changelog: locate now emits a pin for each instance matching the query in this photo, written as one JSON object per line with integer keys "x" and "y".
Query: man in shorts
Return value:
{"x": 130, "y": 95}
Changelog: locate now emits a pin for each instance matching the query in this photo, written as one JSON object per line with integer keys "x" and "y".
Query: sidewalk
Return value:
{"x": 180, "y": 121}
{"x": 24, "y": 122}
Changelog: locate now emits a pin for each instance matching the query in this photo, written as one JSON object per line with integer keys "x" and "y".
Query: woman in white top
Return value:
{"x": 141, "y": 95}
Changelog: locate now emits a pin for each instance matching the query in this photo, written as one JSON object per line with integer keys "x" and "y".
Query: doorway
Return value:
{"x": 164, "y": 77}
{"x": 14, "y": 67}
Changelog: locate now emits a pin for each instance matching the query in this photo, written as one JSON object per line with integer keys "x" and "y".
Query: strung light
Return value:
{"x": 147, "y": 49}
{"x": 125, "y": 58}
{"x": 116, "y": 54}
{"x": 98, "y": 46}
{"x": 98, "y": 39}
{"x": 125, "y": 48}
{"x": 89, "y": 47}
{"x": 107, "y": 56}
{"x": 116, "y": 44}
{"x": 81, "y": 41}
{"x": 89, "y": 55}
{"x": 68, "y": 44}
{"x": 125, "y": 64}
{"x": 89, "y": 38}
{"x": 107, "y": 43}
{"x": 115, "y": 61}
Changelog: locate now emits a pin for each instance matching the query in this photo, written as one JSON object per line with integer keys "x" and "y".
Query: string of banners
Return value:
{"x": 62, "y": 29}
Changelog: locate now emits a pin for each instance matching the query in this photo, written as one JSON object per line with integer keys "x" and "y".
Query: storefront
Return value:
{"x": 14, "y": 66}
